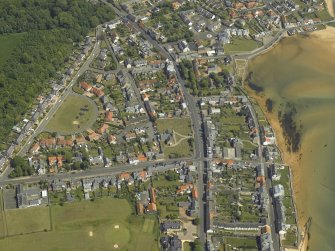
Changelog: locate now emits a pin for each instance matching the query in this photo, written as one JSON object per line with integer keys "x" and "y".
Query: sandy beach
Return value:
{"x": 330, "y": 6}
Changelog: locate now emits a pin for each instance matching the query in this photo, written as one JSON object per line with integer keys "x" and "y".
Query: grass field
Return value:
{"x": 240, "y": 243}
{"x": 77, "y": 113}
{"x": 28, "y": 220}
{"x": 8, "y": 43}
{"x": 241, "y": 45}
{"x": 87, "y": 225}
{"x": 183, "y": 149}
{"x": 182, "y": 126}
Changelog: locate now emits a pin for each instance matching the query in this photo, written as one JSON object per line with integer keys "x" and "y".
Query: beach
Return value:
{"x": 292, "y": 77}
{"x": 330, "y": 7}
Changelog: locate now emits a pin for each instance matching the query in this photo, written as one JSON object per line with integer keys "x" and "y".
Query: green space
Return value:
{"x": 90, "y": 225}
{"x": 27, "y": 220}
{"x": 8, "y": 44}
{"x": 187, "y": 246}
{"x": 77, "y": 113}
{"x": 237, "y": 45}
{"x": 181, "y": 126}
{"x": 182, "y": 149}
{"x": 232, "y": 243}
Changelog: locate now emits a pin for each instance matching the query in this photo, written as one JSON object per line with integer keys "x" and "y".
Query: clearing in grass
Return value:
{"x": 103, "y": 224}
{"x": 76, "y": 114}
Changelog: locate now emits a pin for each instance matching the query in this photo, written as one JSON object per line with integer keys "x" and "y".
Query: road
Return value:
{"x": 95, "y": 172}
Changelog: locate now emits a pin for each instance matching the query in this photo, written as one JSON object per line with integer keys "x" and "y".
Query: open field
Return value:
{"x": 181, "y": 126}
{"x": 148, "y": 225}
{"x": 8, "y": 43}
{"x": 76, "y": 114}
{"x": 27, "y": 220}
{"x": 182, "y": 149}
{"x": 105, "y": 224}
{"x": 240, "y": 243}
{"x": 183, "y": 129}
{"x": 240, "y": 45}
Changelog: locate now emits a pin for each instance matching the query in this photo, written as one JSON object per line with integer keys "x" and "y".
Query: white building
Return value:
{"x": 278, "y": 191}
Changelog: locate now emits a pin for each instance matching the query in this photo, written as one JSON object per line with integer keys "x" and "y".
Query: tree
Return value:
{"x": 171, "y": 175}
{"x": 21, "y": 167}
{"x": 197, "y": 245}
{"x": 196, "y": 221}
{"x": 68, "y": 157}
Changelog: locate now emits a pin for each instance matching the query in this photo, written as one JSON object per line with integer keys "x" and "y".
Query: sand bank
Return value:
{"x": 326, "y": 35}
{"x": 330, "y": 6}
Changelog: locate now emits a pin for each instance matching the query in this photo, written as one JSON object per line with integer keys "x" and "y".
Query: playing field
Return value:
{"x": 76, "y": 114}
{"x": 27, "y": 220}
{"x": 105, "y": 224}
{"x": 8, "y": 43}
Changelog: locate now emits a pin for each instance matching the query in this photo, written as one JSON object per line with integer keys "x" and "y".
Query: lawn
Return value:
{"x": 240, "y": 243}
{"x": 187, "y": 246}
{"x": 91, "y": 225}
{"x": 182, "y": 126}
{"x": 27, "y": 220}
{"x": 77, "y": 113}
{"x": 8, "y": 44}
{"x": 183, "y": 149}
{"x": 238, "y": 45}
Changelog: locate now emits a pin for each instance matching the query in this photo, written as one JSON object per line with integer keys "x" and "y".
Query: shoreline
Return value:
{"x": 293, "y": 160}
{"x": 330, "y": 7}
{"x": 289, "y": 158}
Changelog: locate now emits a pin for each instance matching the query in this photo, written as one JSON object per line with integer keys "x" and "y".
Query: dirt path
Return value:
{"x": 183, "y": 137}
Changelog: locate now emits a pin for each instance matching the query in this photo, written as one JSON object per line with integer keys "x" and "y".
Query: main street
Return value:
{"x": 98, "y": 171}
